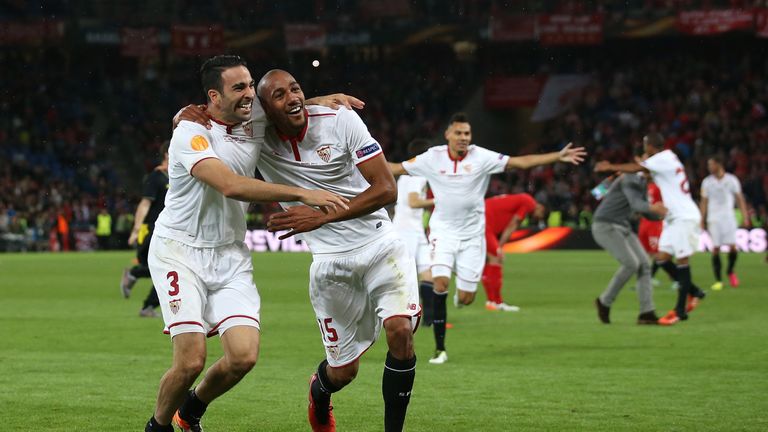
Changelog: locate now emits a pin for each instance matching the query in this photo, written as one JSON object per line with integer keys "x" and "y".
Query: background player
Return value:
{"x": 151, "y": 204}
{"x": 503, "y": 215}
{"x": 649, "y": 232}
{"x": 612, "y": 231}
{"x": 680, "y": 234}
{"x": 458, "y": 174}
{"x": 718, "y": 191}
{"x": 198, "y": 260}
{"x": 409, "y": 223}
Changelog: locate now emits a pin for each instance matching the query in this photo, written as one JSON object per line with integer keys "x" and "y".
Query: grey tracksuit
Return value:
{"x": 612, "y": 231}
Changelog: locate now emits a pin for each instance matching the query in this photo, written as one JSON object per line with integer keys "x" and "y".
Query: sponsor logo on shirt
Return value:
{"x": 378, "y": 225}
{"x": 325, "y": 153}
{"x": 365, "y": 151}
{"x": 199, "y": 143}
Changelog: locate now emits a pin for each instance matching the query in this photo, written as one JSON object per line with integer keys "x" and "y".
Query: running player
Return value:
{"x": 200, "y": 265}
{"x": 151, "y": 204}
{"x": 458, "y": 174}
{"x": 409, "y": 223}
{"x": 503, "y": 215}
{"x": 680, "y": 234}
{"x": 362, "y": 277}
{"x": 718, "y": 191}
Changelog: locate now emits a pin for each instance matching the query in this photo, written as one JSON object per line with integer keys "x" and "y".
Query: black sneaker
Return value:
{"x": 192, "y": 425}
{"x": 648, "y": 318}
{"x": 603, "y": 312}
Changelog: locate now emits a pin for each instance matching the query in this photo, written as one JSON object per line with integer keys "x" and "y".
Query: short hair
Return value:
{"x": 655, "y": 140}
{"x": 459, "y": 117}
{"x": 210, "y": 71}
{"x": 418, "y": 146}
{"x": 718, "y": 159}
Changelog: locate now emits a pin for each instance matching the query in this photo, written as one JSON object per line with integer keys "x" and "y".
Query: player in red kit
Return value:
{"x": 503, "y": 215}
{"x": 649, "y": 231}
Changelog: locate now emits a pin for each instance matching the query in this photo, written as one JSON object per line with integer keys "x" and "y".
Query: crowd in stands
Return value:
{"x": 704, "y": 108}
{"x": 76, "y": 137}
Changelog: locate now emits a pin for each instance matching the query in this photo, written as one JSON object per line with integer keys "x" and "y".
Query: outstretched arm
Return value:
{"x": 568, "y": 154}
{"x": 415, "y": 201}
{"x": 396, "y": 169}
{"x": 216, "y": 174}
{"x": 630, "y": 167}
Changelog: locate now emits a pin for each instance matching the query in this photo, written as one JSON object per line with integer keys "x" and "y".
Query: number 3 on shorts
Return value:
{"x": 328, "y": 332}
{"x": 174, "y": 277}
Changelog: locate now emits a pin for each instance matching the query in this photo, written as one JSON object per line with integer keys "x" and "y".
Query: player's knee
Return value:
{"x": 400, "y": 332}
{"x": 243, "y": 363}
{"x": 345, "y": 375}
{"x": 191, "y": 366}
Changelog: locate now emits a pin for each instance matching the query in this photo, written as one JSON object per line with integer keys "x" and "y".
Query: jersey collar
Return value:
{"x": 226, "y": 125}
{"x": 459, "y": 159}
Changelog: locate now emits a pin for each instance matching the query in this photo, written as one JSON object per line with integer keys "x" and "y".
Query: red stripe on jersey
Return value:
{"x": 322, "y": 115}
{"x": 371, "y": 158}
{"x": 193, "y": 166}
{"x": 295, "y": 147}
{"x": 180, "y": 323}
{"x": 215, "y": 328}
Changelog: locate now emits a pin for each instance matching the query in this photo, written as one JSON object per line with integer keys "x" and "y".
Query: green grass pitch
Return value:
{"x": 75, "y": 356}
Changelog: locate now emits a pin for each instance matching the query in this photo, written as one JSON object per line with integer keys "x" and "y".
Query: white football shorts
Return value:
{"x": 204, "y": 290}
{"x": 418, "y": 247}
{"x": 354, "y": 293}
{"x": 466, "y": 257}
{"x": 680, "y": 237}
{"x": 723, "y": 231}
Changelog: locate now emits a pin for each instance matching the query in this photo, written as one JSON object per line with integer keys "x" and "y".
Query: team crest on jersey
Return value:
{"x": 325, "y": 153}
{"x": 248, "y": 129}
{"x": 175, "y": 305}
{"x": 333, "y": 351}
{"x": 468, "y": 168}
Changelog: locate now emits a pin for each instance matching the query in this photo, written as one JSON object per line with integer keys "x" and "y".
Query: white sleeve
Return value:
{"x": 190, "y": 144}
{"x": 493, "y": 162}
{"x": 418, "y": 166}
{"x": 651, "y": 164}
{"x": 705, "y": 188}
{"x": 352, "y": 131}
{"x": 736, "y": 185}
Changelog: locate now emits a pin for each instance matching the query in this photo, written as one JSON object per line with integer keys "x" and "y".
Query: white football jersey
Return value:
{"x": 197, "y": 214}
{"x": 459, "y": 186}
{"x": 407, "y": 217}
{"x": 669, "y": 175}
{"x": 325, "y": 156}
{"x": 721, "y": 195}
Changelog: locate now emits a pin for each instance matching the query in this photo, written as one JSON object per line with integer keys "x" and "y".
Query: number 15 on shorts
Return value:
{"x": 329, "y": 333}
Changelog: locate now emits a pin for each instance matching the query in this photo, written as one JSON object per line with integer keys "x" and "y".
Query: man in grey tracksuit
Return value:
{"x": 612, "y": 231}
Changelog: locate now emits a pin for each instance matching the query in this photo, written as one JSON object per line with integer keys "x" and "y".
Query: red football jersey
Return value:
{"x": 654, "y": 193}
{"x": 500, "y": 209}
